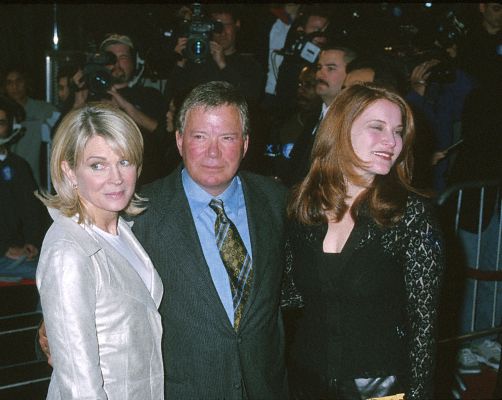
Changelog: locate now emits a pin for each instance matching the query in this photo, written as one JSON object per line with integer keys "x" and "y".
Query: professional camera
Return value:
{"x": 303, "y": 47}
{"x": 98, "y": 78}
{"x": 198, "y": 31}
{"x": 445, "y": 35}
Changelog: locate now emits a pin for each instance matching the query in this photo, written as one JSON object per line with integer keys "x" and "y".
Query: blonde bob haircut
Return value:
{"x": 72, "y": 135}
{"x": 323, "y": 192}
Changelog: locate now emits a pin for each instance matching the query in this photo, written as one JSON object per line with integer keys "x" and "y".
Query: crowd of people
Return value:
{"x": 255, "y": 230}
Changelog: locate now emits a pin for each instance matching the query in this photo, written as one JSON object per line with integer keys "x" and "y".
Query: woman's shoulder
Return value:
{"x": 420, "y": 214}
{"x": 418, "y": 205}
{"x": 66, "y": 235}
{"x": 305, "y": 232}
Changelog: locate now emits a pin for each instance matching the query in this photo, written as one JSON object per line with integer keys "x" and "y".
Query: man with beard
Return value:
{"x": 145, "y": 105}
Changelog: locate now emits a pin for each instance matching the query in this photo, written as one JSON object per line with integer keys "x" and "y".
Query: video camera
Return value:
{"x": 198, "y": 31}
{"x": 445, "y": 34}
{"x": 303, "y": 47}
{"x": 97, "y": 77}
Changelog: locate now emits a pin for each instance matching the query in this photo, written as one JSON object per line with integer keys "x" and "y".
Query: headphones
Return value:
{"x": 14, "y": 128}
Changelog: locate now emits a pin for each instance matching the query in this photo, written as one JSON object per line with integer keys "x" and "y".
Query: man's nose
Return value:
{"x": 213, "y": 149}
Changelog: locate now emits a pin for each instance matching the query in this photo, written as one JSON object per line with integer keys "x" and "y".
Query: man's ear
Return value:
{"x": 69, "y": 173}
{"x": 246, "y": 145}
{"x": 179, "y": 142}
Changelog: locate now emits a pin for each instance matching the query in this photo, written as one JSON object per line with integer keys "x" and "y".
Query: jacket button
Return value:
{"x": 239, "y": 340}
{"x": 237, "y": 386}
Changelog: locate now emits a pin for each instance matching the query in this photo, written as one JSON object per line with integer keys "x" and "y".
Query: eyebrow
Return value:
{"x": 95, "y": 157}
{"x": 383, "y": 122}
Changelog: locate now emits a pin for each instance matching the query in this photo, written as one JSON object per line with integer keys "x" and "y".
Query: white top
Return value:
{"x": 125, "y": 249}
{"x": 278, "y": 34}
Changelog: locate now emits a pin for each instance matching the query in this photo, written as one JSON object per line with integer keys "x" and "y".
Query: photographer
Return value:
{"x": 145, "y": 105}
{"x": 213, "y": 55}
{"x": 438, "y": 90}
{"x": 303, "y": 44}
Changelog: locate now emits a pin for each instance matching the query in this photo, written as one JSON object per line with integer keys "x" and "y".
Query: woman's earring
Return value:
{"x": 75, "y": 186}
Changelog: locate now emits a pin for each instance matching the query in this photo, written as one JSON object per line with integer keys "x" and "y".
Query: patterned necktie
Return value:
{"x": 235, "y": 258}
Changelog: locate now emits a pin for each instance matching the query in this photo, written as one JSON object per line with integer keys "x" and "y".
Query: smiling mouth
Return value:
{"x": 383, "y": 154}
{"x": 115, "y": 194}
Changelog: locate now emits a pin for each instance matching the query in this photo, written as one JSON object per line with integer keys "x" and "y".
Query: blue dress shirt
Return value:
{"x": 204, "y": 218}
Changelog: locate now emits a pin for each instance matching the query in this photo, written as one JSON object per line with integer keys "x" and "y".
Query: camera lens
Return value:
{"x": 100, "y": 82}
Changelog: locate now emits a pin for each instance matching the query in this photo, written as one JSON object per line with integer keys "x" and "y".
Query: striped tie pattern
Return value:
{"x": 235, "y": 258}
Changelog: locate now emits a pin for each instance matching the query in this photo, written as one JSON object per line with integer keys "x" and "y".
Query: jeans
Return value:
{"x": 484, "y": 301}
{"x": 18, "y": 268}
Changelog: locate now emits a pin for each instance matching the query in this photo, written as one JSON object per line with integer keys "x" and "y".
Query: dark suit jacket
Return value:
{"x": 203, "y": 356}
{"x": 299, "y": 163}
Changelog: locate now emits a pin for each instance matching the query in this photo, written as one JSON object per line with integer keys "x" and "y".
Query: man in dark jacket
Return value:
{"x": 21, "y": 214}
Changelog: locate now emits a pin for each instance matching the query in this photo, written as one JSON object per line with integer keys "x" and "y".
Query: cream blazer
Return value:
{"x": 102, "y": 323}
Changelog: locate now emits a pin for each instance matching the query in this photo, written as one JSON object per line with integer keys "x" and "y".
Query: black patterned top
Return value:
{"x": 380, "y": 302}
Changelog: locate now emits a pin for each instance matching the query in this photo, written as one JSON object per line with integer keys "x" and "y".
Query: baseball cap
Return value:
{"x": 114, "y": 39}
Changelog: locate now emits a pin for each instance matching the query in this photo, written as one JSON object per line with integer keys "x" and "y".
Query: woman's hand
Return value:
{"x": 44, "y": 342}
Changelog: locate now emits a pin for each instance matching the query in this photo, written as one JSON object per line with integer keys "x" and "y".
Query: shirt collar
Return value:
{"x": 324, "y": 109}
{"x": 199, "y": 199}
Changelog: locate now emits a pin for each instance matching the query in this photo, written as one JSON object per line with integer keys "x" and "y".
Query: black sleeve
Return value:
{"x": 424, "y": 263}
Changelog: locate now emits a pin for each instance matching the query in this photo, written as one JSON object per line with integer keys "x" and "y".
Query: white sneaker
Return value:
{"x": 488, "y": 352}
{"x": 467, "y": 362}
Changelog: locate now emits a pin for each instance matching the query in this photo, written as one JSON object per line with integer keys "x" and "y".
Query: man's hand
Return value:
{"x": 30, "y": 250}
{"x": 438, "y": 156}
{"x": 15, "y": 252}
{"x": 217, "y": 54}
{"x": 181, "y": 45}
{"x": 119, "y": 100}
{"x": 44, "y": 343}
{"x": 420, "y": 74}
{"x": 81, "y": 94}
{"x": 144, "y": 121}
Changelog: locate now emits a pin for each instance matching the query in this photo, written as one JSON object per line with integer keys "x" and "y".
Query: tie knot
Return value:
{"x": 217, "y": 206}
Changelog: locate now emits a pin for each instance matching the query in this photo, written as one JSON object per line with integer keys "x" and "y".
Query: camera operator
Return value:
{"x": 438, "y": 90}
{"x": 222, "y": 62}
{"x": 301, "y": 49}
{"x": 145, "y": 105}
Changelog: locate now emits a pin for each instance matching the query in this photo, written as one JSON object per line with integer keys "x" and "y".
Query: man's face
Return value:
{"x": 226, "y": 38}
{"x": 492, "y": 16}
{"x": 63, "y": 88}
{"x": 212, "y": 146}
{"x": 330, "y": 74}
{"x": 123, "y": 70}
{"x": 306, "y": 95}
{"x": 15, "y": 87}
{"x": 316, "y": 23}
{"x": 359, "y": 76}
{"x": 4, "y": 124}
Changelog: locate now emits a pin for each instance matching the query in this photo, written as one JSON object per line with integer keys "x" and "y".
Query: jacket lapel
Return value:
{"x": 134, "y": 285}
{"x": 156, "y": 284}
{"x": 260, "y": 231}
{"x": 176, "y": 229}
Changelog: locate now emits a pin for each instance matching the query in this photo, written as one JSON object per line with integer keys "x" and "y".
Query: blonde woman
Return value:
{"x": 99, "y": 290}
